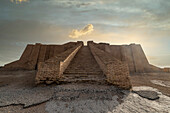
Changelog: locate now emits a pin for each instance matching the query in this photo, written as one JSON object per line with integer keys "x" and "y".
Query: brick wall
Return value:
{"x": 132, "y": 54}
{"x": 51, "y": 70}
{"x": 28, "y": 59}
{"x": 117, "y": 72}
{"x": 166, "y": 70}
{"x": 127, "y": 56}
{"x": 33, "y": 54}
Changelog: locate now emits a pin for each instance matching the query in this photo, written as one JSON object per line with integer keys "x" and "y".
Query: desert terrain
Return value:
{"x": 19, "y": 94}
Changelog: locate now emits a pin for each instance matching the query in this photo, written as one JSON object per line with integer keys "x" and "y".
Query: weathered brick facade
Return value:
{"x": 98, "y": 62}
{"x": 51, "y": 70}
{"x": 116, "y": 72}
{"x": 132, "y": 54}
{"x": 33, "y": 54}
{"x": 166, "y": 70}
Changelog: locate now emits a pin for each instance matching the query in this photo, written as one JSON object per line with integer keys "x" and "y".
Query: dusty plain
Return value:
{"x": 19, "y": 94}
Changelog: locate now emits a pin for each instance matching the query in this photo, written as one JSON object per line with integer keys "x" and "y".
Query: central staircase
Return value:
{"x": 84, "y": 68}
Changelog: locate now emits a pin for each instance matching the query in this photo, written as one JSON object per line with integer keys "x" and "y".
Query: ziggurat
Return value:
{"x": 73, "y": 62}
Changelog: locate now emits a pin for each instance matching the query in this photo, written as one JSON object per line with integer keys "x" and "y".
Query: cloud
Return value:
{"x": 19, "y": 1}
{"x": 78, "y": 33}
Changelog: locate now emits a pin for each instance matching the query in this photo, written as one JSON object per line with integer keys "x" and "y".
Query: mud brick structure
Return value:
{"x": 33, "y": 54}
{"x": 52, "y": 69}
{"x": 74, "y": 62}
{"x": 116, "y": 72}
{"x": 166, "y": 70}
{"x": 132, "y": 54}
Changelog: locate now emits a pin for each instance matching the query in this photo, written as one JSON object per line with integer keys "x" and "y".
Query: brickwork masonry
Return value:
{"x": 117, "y": 72}
{"x": 33, "y": 54}
{"x": 51, "y": 70}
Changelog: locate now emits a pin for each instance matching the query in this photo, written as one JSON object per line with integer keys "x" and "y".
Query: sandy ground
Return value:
{"x": 19, "y": 94}
{"x": 160, "y": 81}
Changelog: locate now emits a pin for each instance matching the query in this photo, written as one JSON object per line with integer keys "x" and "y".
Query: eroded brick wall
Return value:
{"x": 51, "y": 70}
{"x": 117, "y": 72}
{"x": 166, "y": 70}
{"x": 132, "y": 54}
{"x": 33, "y": 54}
{"x": 28, "y": 59}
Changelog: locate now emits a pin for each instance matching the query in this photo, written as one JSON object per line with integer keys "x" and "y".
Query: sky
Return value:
{"x": 145, "y": 22}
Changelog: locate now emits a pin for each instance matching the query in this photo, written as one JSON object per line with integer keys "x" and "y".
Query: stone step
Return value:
{"x": 82, "y": 78}
{"x": 83, "y": 68}
{"x": 82, "y": 75}
{"x": 89, "y": 80}
{"x": 88, "y": 73}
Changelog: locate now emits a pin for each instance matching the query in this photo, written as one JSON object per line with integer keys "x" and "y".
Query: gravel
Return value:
{"x": 25, "y": 97}
{"x": 130, "y": 103}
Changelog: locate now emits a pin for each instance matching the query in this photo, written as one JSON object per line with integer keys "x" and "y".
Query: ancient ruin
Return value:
{"x": 74, "y": 62}
{"x": 166, "y": 70}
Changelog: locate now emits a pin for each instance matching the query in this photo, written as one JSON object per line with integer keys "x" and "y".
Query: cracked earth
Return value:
{"x": 19, "y": 94}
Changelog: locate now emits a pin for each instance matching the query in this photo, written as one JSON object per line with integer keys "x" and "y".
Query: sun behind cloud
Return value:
{"x": 19, "y": 1}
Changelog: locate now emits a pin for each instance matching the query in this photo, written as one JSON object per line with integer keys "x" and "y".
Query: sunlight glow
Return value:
{"x": 19, "y": 1}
